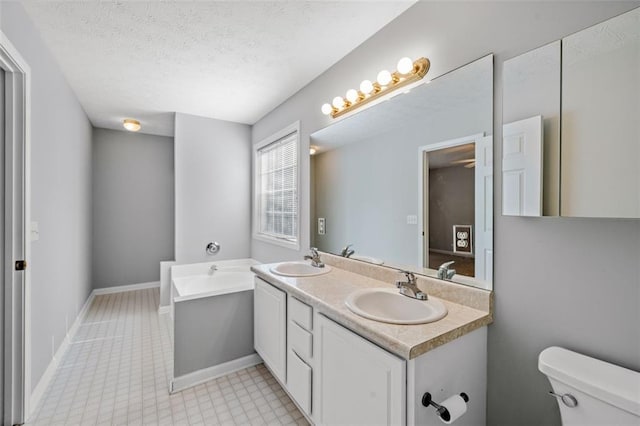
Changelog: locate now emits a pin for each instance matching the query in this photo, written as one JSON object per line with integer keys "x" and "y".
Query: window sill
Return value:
{"x": 278, "y": 242}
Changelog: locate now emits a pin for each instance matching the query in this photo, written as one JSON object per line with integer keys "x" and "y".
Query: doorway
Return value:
{"x": 456, "y": 207}
{"x": 15, "y": 127}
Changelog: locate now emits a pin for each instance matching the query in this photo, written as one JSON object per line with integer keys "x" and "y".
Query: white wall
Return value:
{"x": 550, "y": 274}
{"x": 133, "y": 208}
{"x": 61, "y": 194}
{"x": 212, "y": 188}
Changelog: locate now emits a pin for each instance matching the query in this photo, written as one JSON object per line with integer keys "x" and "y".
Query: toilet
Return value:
{"x": 590, "y": 391}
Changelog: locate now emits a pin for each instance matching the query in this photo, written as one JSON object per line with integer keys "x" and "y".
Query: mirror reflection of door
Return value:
{"x": 457, "y": 211}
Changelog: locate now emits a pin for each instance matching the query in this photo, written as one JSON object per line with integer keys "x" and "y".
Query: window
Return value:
{"x": 276, "y": 188}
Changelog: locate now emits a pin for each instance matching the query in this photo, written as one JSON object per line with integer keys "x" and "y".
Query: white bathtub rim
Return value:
{"x": 189, "y": 269}
{"x": 219, "y": 292}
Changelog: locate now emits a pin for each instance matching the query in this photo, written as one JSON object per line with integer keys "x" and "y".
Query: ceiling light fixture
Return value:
{"x": 408, "y": 71}
{"x": 131, "y": 125}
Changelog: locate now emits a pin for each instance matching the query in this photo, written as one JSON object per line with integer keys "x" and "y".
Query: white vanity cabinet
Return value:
{"x": 270, "y": 327}
{"x": 357, "y": 382}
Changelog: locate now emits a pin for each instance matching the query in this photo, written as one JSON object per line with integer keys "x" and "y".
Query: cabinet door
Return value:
{"x": 359, "y": 383}
{"x": 270, "y": 316}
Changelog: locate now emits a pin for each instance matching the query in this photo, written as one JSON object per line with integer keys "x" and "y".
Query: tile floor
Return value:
{"x": 117, "y": 369}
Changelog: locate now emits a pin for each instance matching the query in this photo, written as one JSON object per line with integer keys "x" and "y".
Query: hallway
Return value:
{"x": 117, "y": 368}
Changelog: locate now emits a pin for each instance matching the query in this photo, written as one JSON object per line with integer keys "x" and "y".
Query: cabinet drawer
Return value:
{"x": 301, "y": 313}
{"x": 299, "y": 381}
{"x": 301, "y": 341}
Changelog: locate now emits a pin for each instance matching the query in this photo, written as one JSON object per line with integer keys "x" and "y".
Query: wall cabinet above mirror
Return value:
{"x": 408, "y": 183}
{"x": 571, "y": 133}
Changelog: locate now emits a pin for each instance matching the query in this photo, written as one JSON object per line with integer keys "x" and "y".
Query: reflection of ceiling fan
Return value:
{"x": 471, "y": 163}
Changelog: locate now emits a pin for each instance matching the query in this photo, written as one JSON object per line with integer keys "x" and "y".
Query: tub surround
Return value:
{"x": 469, "y": 308}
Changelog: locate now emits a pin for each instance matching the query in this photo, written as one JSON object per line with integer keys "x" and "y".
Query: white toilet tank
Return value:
{"x": 606, "y": 394}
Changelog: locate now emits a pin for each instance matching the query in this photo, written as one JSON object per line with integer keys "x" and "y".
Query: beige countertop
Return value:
{"x": 327, "y": 293}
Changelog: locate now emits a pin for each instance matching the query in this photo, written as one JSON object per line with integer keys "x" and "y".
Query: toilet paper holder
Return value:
{"x": 441, "y": 410}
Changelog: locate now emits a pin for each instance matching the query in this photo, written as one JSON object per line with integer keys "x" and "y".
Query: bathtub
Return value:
{"x": 194, "y": 281}
{"x": 212, "y": 317}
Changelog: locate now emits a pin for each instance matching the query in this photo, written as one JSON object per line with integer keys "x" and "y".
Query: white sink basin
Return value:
{"x": 299, "y": 269}
{"x": 388, "y": 305}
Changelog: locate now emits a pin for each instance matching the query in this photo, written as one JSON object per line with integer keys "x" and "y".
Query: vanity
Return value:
{"x": 342, "y": 368}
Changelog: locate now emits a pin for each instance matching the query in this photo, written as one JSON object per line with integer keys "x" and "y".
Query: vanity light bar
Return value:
{"x": 408, "y": 72}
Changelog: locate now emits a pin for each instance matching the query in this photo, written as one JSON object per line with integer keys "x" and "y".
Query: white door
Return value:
{"x": 270, "y": 316}
{"x": 484, "y": 210}
{"x": 359, "y": 383}
{"x": 522, "y": 167}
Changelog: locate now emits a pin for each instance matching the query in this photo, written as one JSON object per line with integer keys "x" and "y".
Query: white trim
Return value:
{"x": 422, "y": 226}
{"x": 45, "y": 380}
{"x": 295, "y": 245}
{"x": 122, "y": 288}
{"x": 17, "y": 203}
{"x": 200, "y": 376}
{"x": 164, "y": 310}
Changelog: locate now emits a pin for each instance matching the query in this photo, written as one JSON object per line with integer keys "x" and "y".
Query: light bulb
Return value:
{"x": 338, "y": 102}
{"x": 312, "y": 150}
{"x": 384, "y": 77}
{"x": 326, "y": 109}
{"x": 366, "y": 87}
{"x": 405, "y": 65}
{"x": 131, "y": 125}
{"x": 352, "y": 95}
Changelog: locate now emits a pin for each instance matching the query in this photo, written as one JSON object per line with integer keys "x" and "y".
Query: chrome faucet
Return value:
{"x": 446, "y": 273}
{"x": 213, "y": 269}
{"x": 410, "y": 288}
{"x": 347, "y": 251}
{"x": 315, "y": 258}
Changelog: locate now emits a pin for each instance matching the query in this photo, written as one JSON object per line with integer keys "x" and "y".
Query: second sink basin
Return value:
{"x": 387, "y": 305}
{"x": 299, "y": 269}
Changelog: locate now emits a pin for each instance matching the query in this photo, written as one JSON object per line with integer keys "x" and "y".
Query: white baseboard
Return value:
{"x": 130, "y": 287}
{"x": 164, "y": 309}
{"x": 193, "y": 379}
{"x": 45, "y": 380}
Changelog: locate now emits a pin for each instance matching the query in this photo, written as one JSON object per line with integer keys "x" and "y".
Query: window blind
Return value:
{"x": 278, "y": 174}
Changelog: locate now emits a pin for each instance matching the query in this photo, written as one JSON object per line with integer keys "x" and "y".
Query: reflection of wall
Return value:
{"x": 546, "y": 280}
{"x": 451, "y": 202}
{"x": 531, "y": 88}
{"x": 601, "y": 131}
{"x": 367, "y": 189}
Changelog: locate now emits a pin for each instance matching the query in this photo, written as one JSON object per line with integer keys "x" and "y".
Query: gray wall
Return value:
{"x": 133, "y": 209}
{"x": 212, "y": 187}
{"x": 60, "y": 194}
{"x": 551, "y": 274}
{"x": 451, "y": 202}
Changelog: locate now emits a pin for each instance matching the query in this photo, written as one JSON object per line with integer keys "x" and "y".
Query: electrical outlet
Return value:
{"x": 321, "y": 223}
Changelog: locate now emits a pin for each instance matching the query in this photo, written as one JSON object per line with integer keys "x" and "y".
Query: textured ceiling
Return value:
{"x": 230, "y": 60}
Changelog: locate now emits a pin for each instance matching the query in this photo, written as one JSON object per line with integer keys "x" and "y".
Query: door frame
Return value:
{"x": 423, "y": 202}
{"x": 17, "y": 205}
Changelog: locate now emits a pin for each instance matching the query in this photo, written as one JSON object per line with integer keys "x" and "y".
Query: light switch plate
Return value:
{"x": 412, "y": 219}
{"x": 35, "y": 231}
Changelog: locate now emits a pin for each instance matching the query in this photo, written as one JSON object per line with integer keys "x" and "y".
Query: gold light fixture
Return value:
{"x": 407, "y": 72}
{"x": 131, "y": 125}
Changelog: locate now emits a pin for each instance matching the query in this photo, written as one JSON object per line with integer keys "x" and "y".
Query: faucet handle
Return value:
{"x": 446, "y": 265}
{"x": 411, "y": 278}
{"x": 314, "y": 251}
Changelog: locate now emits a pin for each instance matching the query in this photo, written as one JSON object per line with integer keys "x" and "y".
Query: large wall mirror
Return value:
{"x": 571, "y": 133}
{"x": 408, "y": 183}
